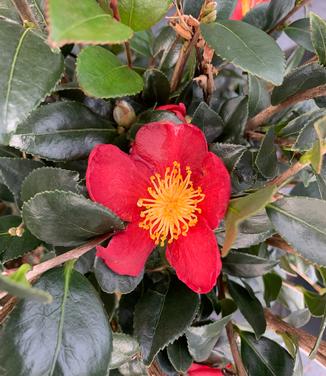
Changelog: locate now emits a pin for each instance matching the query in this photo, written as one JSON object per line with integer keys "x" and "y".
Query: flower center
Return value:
{"x": 172, "y": 208}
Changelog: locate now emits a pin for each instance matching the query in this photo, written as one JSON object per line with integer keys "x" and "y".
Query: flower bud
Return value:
{"x": 123, "y": 114}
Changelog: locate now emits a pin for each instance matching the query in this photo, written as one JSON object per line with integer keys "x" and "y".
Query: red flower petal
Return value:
{"x": 196, "y": 258}
{"x": 127, "y": 251}
{"x": 237, "y": 14}
{"x": 160, "y": 144}
{"x": 116, "y": 181}
{"x": 216, "y": 185}
{"x": 178, "y": 109}
{"x": 201, "y": 370}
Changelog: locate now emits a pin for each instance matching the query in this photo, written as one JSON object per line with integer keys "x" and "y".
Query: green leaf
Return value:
{"x": 265, "y": 357}
{"x": 252, "y": 50}
{"x": 266, "y": 160}
{"x": 142, "y": 14}
{"x": 318, "y": 35}
{"x": 160, "y": 318}
{"x": 249, "y": 306}
{"x": 71, "y": 336}
{"x": 67, "y": 219}
{"x": 245, "y": 265}
{"x": 272, "y": 287}
{"x": 225, "y": 8}
{"x": 8, "y": 10}
{"x": 62, "y": 131}
{"x": 305, "y": 216}
{"x": 298, "y": 318}
{"x": 13, "y": 171}
{"x": 12, "y": 247}
{"x": 178, "y": 354}
{"x": 156, "y": 87}
{"x": 316, "y": 303}
{"x": 229, "y": 153}
{"x": 21, "y": 288}
{"x": 319, "y": 339}
{"x": 202, "y": 339}
{"x": 235, "y": 122}
{"x": 49, "y": 179}
{"x": 101, "y": 74}
{"x": 83, "y": 22}
{"x": 142, "y": 43}
{"x": 276, "y": 11}
{"x": 309, "y": 76}
{"x": 243, "y": 208}
{"x": 259, "y": 97}
{"x": 209, "y": 121}
{"x": 299, "y": 32}
{"x": 23, "y": 50}
{"x": 111, "y": 282}
{"x": 124, "y": 348}
{"x": 294, "y": 59}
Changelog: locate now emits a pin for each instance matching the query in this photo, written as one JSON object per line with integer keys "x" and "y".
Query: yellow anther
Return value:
{"x": 172, "y": 208}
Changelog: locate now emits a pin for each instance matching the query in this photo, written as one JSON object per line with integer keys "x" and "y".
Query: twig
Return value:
{"x": 234, "y": 349}
{"x": 280, "y": 24}
{"x": 24, "y": 11}
{"x": 306, "y": 341}
{"x": 154, "y": 370}
{"x": 278, "y": 242}
{"x": 266, "y": 114}
{"x": 56, "y": 261}
{"x": 182, "y": 60}
{"x": 116, "y": 15}
{"x": 290, "y": 172}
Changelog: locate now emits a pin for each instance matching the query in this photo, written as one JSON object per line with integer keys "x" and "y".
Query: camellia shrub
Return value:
{"x": 162, "y": 188}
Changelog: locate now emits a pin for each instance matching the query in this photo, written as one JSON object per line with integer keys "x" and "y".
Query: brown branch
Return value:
{"x": 24, "y": 11}
{"x": 115, "y": 9}
{"x": 235, "y": 350}
{"x": 278, "y": 242}
{"x": 305, "y": 340}
{"x": 182, "y": 60}
{"x": 289, "y": 173}
{"x": 281, "y": 23}
{"x": 266, "y": 114}
{"x": 74, "y": 254}
{"x": 154, "y": 370}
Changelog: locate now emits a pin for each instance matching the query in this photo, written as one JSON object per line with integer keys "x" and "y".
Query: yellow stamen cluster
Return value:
{"x": 172, "y": 208}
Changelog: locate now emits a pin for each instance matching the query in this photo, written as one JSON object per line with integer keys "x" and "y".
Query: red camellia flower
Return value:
{"x": 178, "y": 109}
{"x": 172, "y": 191}
{"x": 201, "y": 370}
{"x": 244, "y": 6}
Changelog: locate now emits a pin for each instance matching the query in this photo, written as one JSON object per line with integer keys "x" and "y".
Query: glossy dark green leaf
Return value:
{"x": 252, "y": 50}
{"x": 259, "y": 97}
{"x": 225, "y": 8}
{"x": 305, "y": 216}
{"x": 101, "y": 74}
{"x": 62, "y": 131}
{"x": 245, "y": 265}
{"x": 266, "y": 160}
{"x": 156, "y": 87}
{"x": 12, "y": 247}
{"x": 142, "y": 14}
{"x": 229, "y": 153}
{"x": 249, "y": 306}
{"x": 160, "y": 318}
{"x": 23, "y": 50}
{"x": 276, "y": 11}
{"x": 209, "y": 121}
{"x": 265, "y": 357}
{"x": 235, "y": 122}
{"x": 13, "y": 171}
{"x": 178, "y": 354}
{"x": 124, "y": 348}
{"x": 111, "y": 282}
{"x": 142, "y": 43}
{"x": 294, "y": 59}
{"x": 67, "y": 219}
{"x": 49, "y": 179}
{"x": 241, "y": 209}
{"x": 316, "y": 303}
{"x": 318, "y": 35}
{"x": 71, "y": 336}
{"x": 251, "y": 231}
{"x": 8, "y": 10}
{"x": 83, "y": 22}
{"x": 309, "y": 76}
{"x": 299, "y": 32}
{"x": 257, "y": 16}
{"x": 19, "y": 287}
{"x": 319, "y": 339}
{"x": 272, "y": 287}
{"x": 202, "y": 339}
